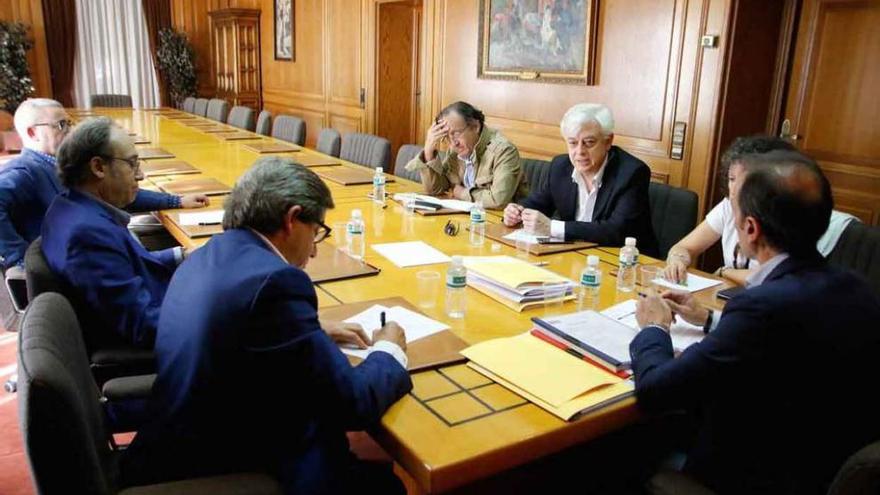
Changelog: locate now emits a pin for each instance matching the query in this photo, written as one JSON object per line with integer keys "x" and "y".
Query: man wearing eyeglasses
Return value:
{"x": 241, "y": 315}
{"x": 30, "y": 182}
{"x": 117, "y": 285}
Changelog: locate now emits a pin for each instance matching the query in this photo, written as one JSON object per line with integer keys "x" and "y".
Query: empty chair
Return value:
{"x": 673, "y": 214}
{"x": 329, "y": 142}
{"x": 66, "y": 438}
{"x": 366, "y": 149}
{"x": 217, "y": 110}
{"x": 264, "y": 123}
{"x": 289, "y": 128}
{"x": 119, "y": 101}
{"x": 189, "y": 104}
{"x": 201, "y": 107}
{"x": 406, "y": 153}
{"x": 241, "y": 117}
{"x": 536, "y": 172}
{"x": 858, "y": 249}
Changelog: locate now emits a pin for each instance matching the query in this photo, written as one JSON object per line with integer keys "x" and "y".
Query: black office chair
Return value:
{"x": 109, "y": 100}
{"x": 404, "y": 155}
{"x": 536, "y": 172}
{"x": 107, "y": 363}
{"x": 858, "y": 249}
{"x": 67, "y": 442}
{"x": 673, "y": 214}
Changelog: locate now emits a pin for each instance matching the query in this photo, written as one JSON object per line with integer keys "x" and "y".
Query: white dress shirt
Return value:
{"x": 586, "y": 200}
{"x": 380, "y": 346}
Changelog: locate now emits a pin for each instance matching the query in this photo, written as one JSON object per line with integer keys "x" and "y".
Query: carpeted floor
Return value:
{"x": 14, "y": 474}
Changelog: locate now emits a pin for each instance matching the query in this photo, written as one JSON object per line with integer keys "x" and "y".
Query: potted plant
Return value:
{"x": 16, "y": 84}
{"x": 177, "y": 64}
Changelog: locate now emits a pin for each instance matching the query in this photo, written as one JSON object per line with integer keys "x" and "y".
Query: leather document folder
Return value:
{"x": 173, "y": 167}
{"x": 331, "y": 263}
{"x": 433, "y": 351}
{"x": 153, "y": 153}
{"x": 202, "y": 185}
{"x": 316, "y": 160}
{"x": 497, "y": 231}
{"x": 271, "y": 147}
{"x": 348, "y": 176}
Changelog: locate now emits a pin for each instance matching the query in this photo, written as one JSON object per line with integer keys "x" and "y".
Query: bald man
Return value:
{"x": 30, "y": 182}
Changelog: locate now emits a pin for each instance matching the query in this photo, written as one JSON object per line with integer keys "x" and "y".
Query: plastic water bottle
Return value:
{"x": 379, "y": 186}
{"x": 591, "y": 280}
{"x": 456, "y": 281}
{"x": 354, "y": 235}
{"x": 629, "y": 265}
{"x": 478, "y": 224}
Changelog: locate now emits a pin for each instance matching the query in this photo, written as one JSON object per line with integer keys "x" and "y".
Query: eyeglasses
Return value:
{"x": 134, "y": 163}
{"x": 451, "y": 228}
{"x": 457, "y": 133}
{"x": 61, "y": 125}
{"x": 322, "y": 233}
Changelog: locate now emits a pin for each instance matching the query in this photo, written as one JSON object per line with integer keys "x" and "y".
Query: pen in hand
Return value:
{"x": 382, "y": 319}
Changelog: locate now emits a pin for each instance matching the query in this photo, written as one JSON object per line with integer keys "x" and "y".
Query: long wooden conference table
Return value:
{"x": 456, "y": 426}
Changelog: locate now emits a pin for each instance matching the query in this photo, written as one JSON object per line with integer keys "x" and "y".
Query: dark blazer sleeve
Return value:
{"x": 14, "y": 184}
{"x": 99, "y": 264}
{"x": 152, "y": 201}
{"x": 628, "y": 209}
{"x": 541, "y": 199}
{"x": 665, "y": 383}
{"x": 291, "y": 336}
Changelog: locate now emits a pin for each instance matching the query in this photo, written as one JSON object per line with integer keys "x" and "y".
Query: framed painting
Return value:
{"x": 538, "y": 40}
{"x": 284, "y": 49}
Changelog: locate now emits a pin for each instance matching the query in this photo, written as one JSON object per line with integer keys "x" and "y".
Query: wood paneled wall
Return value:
{"x": 30, "y": 12}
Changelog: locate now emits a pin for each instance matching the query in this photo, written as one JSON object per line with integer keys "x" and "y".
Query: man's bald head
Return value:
{"x": 42, "y": 124}
{"x": 790, "y": 197}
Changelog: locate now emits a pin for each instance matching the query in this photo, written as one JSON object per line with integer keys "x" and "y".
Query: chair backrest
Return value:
{"x": 536, "y": 172}
{"x": 201, "y": 107}
{"x": 241, "y": 117}
{"x": 61, "y": 418}
{"x": 366, "y": 149}
{"x": 289, "y": 128}
{"x": 40, "y": 278}
{"x": 329, "y": 142}
{"x": 673, "y": 214}
{"x": 404, "y": 155}
{"x": 119, "y": 101}
{"x": 264, "y": 123}
{"x": 189, "y": 104}
{"x": 858, "y": 249}
{"x": 217, "y": 110}
{"x": 860, "y": 474}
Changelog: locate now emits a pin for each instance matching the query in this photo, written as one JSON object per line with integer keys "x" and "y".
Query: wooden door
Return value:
{"x": 833, "y": 99}
{"x": 397, "y": 72}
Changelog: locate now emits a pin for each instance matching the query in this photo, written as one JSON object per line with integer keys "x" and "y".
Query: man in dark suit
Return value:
{"x": 117, "y": 285}
{"x": 597, "y": 192}
{"x": 247, "y": 379}
{"x": 781, "y": 384}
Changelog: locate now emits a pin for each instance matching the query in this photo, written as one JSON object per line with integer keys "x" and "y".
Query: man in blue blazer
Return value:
{"x": 597, "y": 192}
{"x": 117, "y": 285}
{"x": 29, "y": 183}
{"x": 247, "y": 379}
{"x": 781, "y": 386}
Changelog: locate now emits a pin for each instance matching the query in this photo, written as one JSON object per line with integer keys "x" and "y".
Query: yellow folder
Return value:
{"x": 513, "y": 272}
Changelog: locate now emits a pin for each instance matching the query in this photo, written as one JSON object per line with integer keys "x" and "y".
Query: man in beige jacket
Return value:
{"x": 479, "y": 165}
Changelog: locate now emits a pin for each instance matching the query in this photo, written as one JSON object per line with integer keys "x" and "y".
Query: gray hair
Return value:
{"x": 90, "y": 138}
{"x": 582, "y": 114}
{"x": 28, "y": 111}
{"x": 273, "y": 185}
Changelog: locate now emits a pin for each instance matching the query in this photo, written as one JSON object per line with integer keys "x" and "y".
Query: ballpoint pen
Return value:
{"x": 382, "y": 319}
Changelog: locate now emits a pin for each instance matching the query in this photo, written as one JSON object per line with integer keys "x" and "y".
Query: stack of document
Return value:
{"x": 415, "y": 326}
{"x": 606, "y": 336}
{"x": 556, "y": 381}
{"x": 430, "y": 203}
{"x": 513, "y": 282}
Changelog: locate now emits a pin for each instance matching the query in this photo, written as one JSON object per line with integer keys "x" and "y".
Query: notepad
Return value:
{"x": 450, "y": 204}
{"x": 694, "y": 283}
{"x": 683, "y": 333}
{"x": 214, "y": 217}
{"x": 522, "y": 235}
{"x": 415, "y": 253}
{"x": 416, "y": 326}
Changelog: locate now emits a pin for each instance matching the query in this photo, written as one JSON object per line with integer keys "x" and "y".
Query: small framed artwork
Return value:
{"x": 284, "y": 49}
{"x": 538, "y": 40}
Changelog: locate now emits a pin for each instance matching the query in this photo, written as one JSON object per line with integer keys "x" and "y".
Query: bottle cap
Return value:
{"x": 379, "y": 170}
{"x": 457, "y": 261}
{"x": 592, "y": 260}
{"x": 356, "y": 213}
{"x": 630, "y": 241}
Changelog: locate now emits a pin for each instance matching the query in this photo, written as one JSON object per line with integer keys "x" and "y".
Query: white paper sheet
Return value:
{"x": 415, "y": 253}
{"x": 416, "y": 326}
{"x": 214, "y": 217}
{"x": 683, "y": 333}
{"x": 521, "y": 234}
{"x": 452, "y": 204}
{"x": 694, "y": 283}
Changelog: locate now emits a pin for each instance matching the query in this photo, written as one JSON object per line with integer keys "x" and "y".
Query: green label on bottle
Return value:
{"x": 456, "y": 281}
{"x": 590, "y": 279}
{"x": 477, "y": 217}
{"x": 354, "y": 229}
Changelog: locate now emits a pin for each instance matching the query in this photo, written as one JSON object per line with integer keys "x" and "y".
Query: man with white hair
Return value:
{"x": 597, "y": 192}
{"x": 30, "y": 182}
